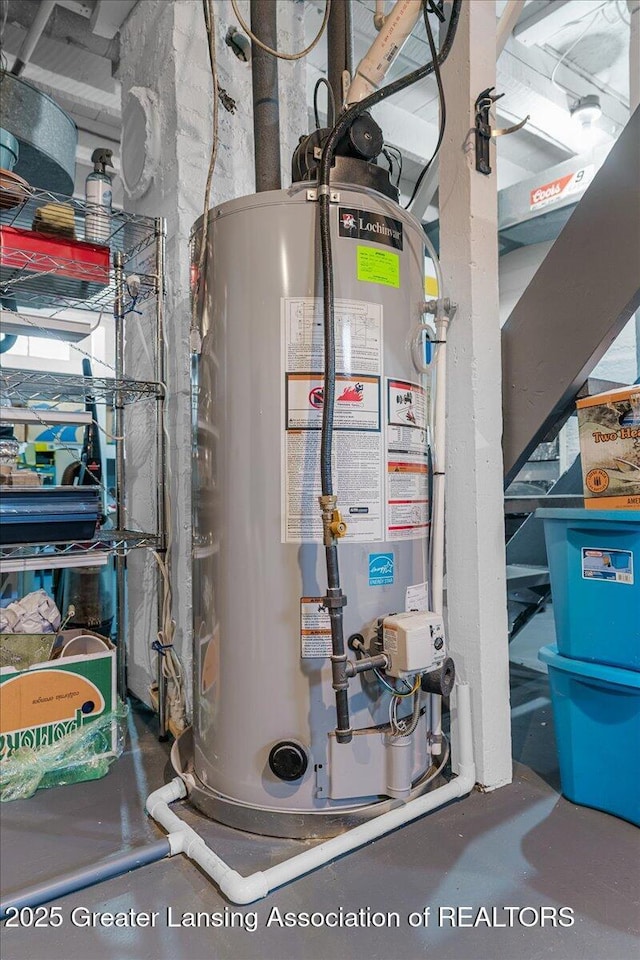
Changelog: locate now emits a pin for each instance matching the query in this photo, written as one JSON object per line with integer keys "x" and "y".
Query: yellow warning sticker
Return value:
{"x": 431, "y": 286}
{"x": 378, "y": 266}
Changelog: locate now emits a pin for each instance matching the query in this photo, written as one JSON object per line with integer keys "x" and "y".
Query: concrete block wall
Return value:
{"x": 164, "y": 49}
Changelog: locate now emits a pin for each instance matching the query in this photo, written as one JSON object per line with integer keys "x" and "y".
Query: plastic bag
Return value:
{"x": 35, "y": 613}
{"x": 84, "y": 754}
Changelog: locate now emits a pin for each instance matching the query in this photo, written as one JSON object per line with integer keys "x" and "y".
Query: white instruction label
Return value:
{"x": 315, "y": 629}
{"x": 416, "y": 598}
{"x": 613, "y": 565}
{"x": 407, "y": 482}
{"x": 390, "y": 640}
{"x": 357, "y": 466}
{"x": 358, "y": 335}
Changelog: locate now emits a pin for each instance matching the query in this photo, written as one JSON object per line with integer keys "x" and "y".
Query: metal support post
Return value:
{"x": 120, "y": 557}
{"x": 634, "y": 102}
{"x": 161, "y": 508}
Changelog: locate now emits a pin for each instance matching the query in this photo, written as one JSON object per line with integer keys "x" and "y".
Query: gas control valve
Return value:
{"x": 413, "y": 642}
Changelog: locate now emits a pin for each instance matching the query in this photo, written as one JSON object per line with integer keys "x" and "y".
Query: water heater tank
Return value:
{"x": 265, "y": 756}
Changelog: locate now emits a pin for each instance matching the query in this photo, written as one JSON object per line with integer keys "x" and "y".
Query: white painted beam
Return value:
{"x": 109, "y": 15}
{"x": 533, "y": 68}
{"x": 524, "y": 75}
{"x": 84, "y": 8}
{"x": 508, "y": 19}
{"x": 543, "y": 22}
{"x": 71, "y": 73}
{"x": 476, "y": 589}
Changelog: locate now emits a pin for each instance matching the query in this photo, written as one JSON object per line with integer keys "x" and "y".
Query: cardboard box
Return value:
{"x": 12, "y": 477}
{"x": 41, "y": 705}
{"x": 609, "y": 427}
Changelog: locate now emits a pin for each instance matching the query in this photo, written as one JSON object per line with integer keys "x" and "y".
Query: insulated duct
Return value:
{"x": 339, "y": 48}
{"x": 266, "y": 110}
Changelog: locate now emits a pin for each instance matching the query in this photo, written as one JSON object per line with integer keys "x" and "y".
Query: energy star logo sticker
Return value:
{"x": 381, "y": 569}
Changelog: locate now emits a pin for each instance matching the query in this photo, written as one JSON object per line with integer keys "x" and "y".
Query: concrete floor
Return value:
{"x": 522, "y": 846}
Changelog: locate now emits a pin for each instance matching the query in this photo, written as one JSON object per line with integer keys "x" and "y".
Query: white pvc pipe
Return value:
{"x": 439, "y": 424}
{"x": 437, "y": 517}
{"x": 242, "y": 890}
{"x": 34, "y": 33}
{"x": 375, "y": 64}
{"x": 436, "y": 540}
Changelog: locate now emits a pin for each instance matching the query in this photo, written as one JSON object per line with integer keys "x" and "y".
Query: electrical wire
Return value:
{"x": 209, "y": 22}
{"x": 331, "y": 103}
{"x": 571, "y": 48}
{"x": 443, "y": 106}
{"x": 396, "y": 693}
{"x": 279, "y": 53}
{"x": 406, "y": 726}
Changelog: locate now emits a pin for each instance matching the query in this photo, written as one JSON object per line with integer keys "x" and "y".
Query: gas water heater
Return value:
{"x": 318, "y": 671}
{"x": 266, "y": 756}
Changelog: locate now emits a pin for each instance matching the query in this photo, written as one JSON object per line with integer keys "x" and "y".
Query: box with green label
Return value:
{"x": 41, "y": 705}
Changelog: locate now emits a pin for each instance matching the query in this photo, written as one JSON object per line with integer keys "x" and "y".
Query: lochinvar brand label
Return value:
{"x": 362, "y": 225}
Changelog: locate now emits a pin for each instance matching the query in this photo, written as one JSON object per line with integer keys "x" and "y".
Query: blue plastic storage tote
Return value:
{"x": 594, "y": 565}
{"x": 596, "y": 712}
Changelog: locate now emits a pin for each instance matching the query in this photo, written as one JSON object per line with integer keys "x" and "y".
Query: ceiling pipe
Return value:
{"x": 34, "y": 33}
{"x": 266, "y": 110}
{"x": 339, "y": 50}
{"x": 508, "y": 19}
{"x": 375, "y": 64}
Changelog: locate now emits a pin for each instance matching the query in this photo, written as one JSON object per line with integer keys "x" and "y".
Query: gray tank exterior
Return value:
{"x": 251, "y": 687}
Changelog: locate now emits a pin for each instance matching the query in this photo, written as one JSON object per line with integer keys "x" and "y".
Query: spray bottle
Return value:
{"x": 97, "y": 228}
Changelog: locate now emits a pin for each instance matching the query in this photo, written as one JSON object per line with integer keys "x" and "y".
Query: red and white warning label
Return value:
{"x": 407, "y": 481}
{"x": 407, "y": 500}
{"x": 357, "y": 404}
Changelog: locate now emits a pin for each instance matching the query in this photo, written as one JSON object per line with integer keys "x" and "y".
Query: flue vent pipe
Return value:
{"x": 266, "y": 108}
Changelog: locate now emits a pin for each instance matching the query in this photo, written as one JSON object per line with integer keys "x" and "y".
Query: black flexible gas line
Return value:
{"x": 324, "y": 174}
{"x": 335, "y": 600}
